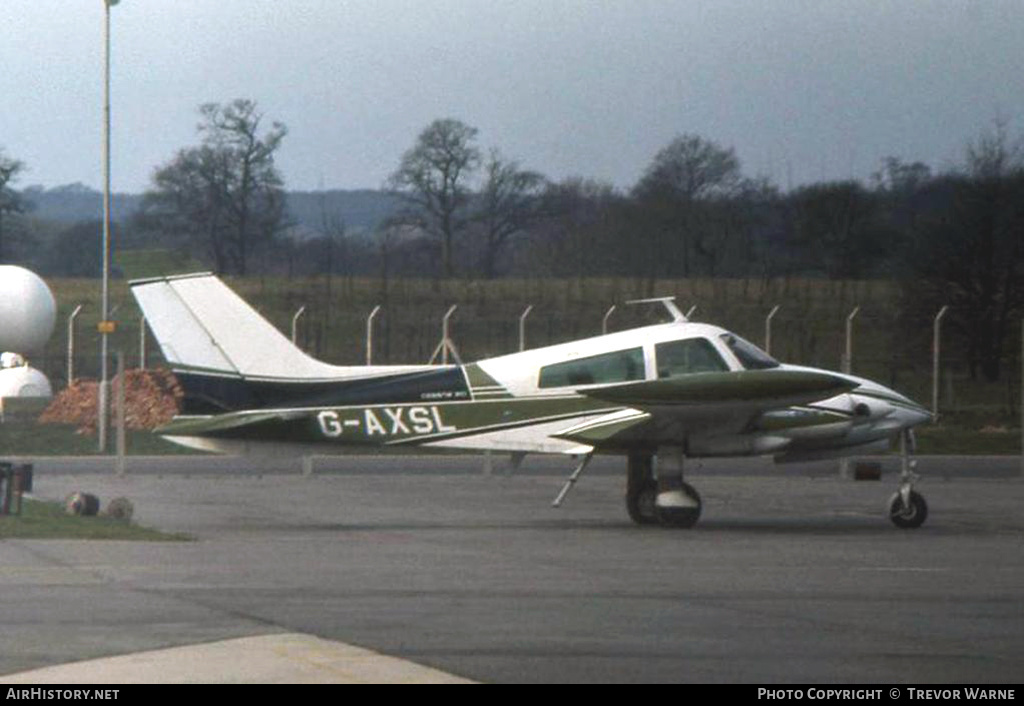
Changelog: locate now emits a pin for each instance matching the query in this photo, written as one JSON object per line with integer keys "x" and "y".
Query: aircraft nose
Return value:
{"x": 918, "y": 415}
{"x": 908, "y": 412}
{"x": 880, "y": 405}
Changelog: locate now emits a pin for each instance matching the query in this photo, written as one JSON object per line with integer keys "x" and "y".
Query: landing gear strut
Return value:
{"x": 907, "y": 508}
{"x": 668, "y": 500}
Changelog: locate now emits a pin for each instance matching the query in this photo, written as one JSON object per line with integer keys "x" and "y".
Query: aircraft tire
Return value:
{"x": 908, "y": 517}
{"x": 641, "y": 490}
{"x": 640, "y": 503}
{"x": 681, "y": 517}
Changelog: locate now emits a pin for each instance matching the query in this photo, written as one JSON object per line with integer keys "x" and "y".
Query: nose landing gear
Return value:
{"x": 907, "y": 508}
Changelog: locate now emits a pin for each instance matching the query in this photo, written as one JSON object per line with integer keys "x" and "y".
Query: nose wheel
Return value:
{"x": 907, "y": 508}
{"x": 908, "y": 513}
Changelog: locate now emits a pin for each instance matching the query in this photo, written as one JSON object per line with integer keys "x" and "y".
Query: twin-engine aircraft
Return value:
{"x": 656, "y": 394}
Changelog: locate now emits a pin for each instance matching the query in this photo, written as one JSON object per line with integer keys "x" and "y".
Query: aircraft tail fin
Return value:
{"x": 203, "y": 326}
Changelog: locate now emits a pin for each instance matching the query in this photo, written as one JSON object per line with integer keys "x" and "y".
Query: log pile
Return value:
{"x": 152, "y": 398}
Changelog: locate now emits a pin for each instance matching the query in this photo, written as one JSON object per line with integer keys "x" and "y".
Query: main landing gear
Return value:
{"x": 665, "y": 500}
{"x": 907, "y": 508}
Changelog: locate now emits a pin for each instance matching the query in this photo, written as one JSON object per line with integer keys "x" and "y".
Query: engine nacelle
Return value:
{"x": 737, "y": 445}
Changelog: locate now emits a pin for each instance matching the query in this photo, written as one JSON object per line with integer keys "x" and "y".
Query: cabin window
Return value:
{"x": 620, "y": 366}
{"x": 750, "y": 356}
{"x": 693, "y": 355}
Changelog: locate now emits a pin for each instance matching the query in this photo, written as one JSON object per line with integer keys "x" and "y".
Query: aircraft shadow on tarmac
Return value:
{"x": 838, "y": 526}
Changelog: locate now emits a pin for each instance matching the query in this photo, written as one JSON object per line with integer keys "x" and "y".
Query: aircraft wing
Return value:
{"x": 739, "y": 390}
{"x": 712, "y": 405}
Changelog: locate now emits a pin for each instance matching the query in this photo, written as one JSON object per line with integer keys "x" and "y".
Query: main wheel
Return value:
{"x": 908, "y": 516}
{"x": 641, "y": 491}
{"x": 640, "y": 503}
{"x": 684, "y": 516}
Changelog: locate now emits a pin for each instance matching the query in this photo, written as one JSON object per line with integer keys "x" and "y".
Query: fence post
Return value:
{"x": 369, "y": 334}
{"x": 71, "y": 342}
{"x": 122, "y": 416}
{"x": 936, "y": 346}
{"x": 768, "y": 329}
{"x": 295, "y": 323}
{"x": 604, "y": 321}
{"x": 522, "y": 327}
{"x": 142, "y": 342}
{"x": 847, "y": 365}
{"x": 446, "y": 343}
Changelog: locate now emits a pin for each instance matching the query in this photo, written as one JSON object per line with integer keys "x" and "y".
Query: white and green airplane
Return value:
{"x": 655, "y": 394}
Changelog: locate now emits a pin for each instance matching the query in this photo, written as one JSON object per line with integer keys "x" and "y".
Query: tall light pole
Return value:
{"x": 106, "y": 327}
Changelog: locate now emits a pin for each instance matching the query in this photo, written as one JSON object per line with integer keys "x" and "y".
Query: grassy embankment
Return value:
{"x": 30, "y": 439}
{"x": 43, "y": 520}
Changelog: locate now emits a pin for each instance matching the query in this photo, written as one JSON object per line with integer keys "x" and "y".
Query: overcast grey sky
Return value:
{"x": 804, "y": 90}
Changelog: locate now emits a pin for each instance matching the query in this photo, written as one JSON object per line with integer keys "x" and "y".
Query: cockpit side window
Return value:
{"x": 619, "y": 366}
{"x": 750, "y": 356}
{"x": 692, "y": 355}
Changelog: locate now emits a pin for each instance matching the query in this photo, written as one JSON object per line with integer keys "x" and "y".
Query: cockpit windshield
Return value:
{"x": 750, "y": 356}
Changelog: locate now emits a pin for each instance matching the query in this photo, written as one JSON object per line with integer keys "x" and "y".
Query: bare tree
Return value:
{"x": 432, "y": 179}
{"x": 226, "y": 192}
{"x": 10, "y": 200}
{"x": 577, "y": 234}
{"x": 896, "y": 176}
{"x": 332, "y": 228}
{"x": 685, "y": 176}
{"x": 970, "y": 253}
{"x": 509, "y": 202}
{"x": 188, "y": 200}
{"x": 835, "y": 226}
{"x": 691, "y": 168}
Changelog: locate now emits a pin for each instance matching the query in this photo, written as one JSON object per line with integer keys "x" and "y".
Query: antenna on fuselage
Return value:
{"x": 669, "y": 303}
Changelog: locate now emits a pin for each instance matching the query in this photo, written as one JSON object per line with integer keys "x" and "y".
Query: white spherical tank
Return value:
{"x": 27, "y": 310}
{"x": 24, "y": 382}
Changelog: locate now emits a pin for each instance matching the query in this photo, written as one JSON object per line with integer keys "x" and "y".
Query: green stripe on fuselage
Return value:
{"x": 379, "y": 425}
{"x": 482, "y": 384}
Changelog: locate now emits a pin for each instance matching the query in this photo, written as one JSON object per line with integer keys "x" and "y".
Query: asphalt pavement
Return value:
{"x": 428, "y": 569}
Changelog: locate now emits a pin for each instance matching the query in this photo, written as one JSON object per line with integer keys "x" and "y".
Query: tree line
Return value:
{"x": 953, "y": 237}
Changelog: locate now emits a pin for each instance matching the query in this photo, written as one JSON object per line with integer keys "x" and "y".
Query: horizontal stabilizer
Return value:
{"x": 213, "y": 425}
{"x": 754, "y": 388}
